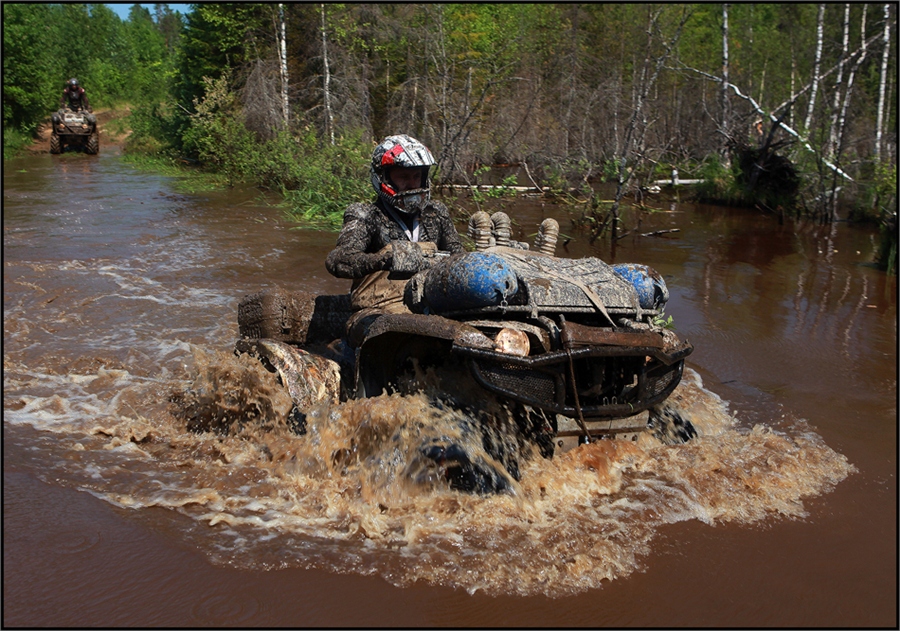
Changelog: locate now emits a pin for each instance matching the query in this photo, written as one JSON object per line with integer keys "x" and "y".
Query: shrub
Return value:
{"x": 326, "y": 178}
{"x": 14, "y": 141}
{"x": 717, "y": 183}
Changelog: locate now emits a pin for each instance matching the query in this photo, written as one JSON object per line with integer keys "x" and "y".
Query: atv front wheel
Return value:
{"x": 93, "y": 144}
{"x": 55, "y": 144}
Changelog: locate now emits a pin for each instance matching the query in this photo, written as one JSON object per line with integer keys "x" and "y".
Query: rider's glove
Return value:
{"x": 406, "y": 257}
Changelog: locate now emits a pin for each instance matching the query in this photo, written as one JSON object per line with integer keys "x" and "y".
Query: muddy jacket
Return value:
{"x": 362, "y": 254}
{"x": 77, "y": 99}
{"x": 368, "y": 229}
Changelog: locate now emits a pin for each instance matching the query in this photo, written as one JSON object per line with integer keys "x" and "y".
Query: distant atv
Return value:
{"x": 75, "y": 130}
{"x": 575, "y": 349}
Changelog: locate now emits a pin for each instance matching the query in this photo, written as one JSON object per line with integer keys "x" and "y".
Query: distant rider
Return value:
{"x": 382, "y": 244}
{"x": 76, "y": 99}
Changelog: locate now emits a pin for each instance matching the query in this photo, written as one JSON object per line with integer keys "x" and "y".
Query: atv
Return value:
{"x": 75, "y": 130}
{"x": 572, "y": 350}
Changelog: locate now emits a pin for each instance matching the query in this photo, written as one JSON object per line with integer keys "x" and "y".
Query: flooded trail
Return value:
{"x": 120, "y": 296}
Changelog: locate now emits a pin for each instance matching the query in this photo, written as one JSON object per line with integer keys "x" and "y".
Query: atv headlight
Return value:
{"x": 512, "y": 342}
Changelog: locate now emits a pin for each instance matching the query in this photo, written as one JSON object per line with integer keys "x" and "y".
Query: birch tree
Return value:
{"x": 282, "y": 49}
{"x": 836, "y": 105}
{"x": 820, "y": 28}
{"x": 849, "y": 90}
{"x": 879, "y": 124}
{"x": 329, "y": 116}
{"x": 726, "y": 110}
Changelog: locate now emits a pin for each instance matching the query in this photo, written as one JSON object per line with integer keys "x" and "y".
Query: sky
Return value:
{"x": 121, "y": 8}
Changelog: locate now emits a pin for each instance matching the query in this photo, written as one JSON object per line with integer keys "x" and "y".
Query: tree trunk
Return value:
{"x": 838, "y": 84}
{"x": 284, "y": 70}
{"x": 726, "y": 114}
{"x": 849, "y": 91}
{"x": 820, "y": 27}
{"x": 879, "y": 124}
{"x": 329, "y": 117}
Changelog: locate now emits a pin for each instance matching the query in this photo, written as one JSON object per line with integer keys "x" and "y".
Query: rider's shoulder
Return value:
{"x": 436, "y": 207}
{"x": 359, "y": 211}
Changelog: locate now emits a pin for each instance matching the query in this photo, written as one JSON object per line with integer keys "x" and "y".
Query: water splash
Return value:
{"x": 355, "y": 494}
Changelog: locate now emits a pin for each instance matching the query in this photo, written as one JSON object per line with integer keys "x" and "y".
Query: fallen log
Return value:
{"x": 487, "y": 187}
{"x": 656, "y": 233}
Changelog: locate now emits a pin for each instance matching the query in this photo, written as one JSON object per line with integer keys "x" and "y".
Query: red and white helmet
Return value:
{"x": 401, "y": 151}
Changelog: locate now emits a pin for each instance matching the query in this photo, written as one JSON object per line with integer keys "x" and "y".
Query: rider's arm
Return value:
{"x": 350, "y": 258}
{"x": 85, "y": 102}
{"x": 449, "y": 237}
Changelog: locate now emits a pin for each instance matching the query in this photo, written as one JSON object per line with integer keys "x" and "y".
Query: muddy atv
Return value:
{"x": 571, "y": 350}
{"x": 74, "y": 130}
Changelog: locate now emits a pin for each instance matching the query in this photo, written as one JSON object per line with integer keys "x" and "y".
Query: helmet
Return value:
{"x": 72, "y": 84}
{"x": 401, "y": 151}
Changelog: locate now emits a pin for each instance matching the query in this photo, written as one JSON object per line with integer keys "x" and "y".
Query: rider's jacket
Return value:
{"x": 77, "y": 98}
{"x": 369, "y": 227}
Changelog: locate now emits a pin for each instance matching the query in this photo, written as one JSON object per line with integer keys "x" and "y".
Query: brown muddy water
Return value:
{"x": 120, "y": 294}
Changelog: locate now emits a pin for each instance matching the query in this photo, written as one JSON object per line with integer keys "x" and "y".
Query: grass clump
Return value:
{"x": 14, "y": 142}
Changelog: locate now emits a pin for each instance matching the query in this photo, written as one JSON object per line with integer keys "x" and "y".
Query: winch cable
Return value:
{"x": 587, "y": 435}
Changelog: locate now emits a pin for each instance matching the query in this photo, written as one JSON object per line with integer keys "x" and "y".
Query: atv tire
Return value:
{"x": 55, "y": 144}
{"x": 93, "y": 144}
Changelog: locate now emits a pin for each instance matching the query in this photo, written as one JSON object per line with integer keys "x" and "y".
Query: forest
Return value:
{"x": 791, "y": 108}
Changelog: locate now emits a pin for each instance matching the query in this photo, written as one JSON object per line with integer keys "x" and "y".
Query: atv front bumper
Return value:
{"x": 584, "y": 379}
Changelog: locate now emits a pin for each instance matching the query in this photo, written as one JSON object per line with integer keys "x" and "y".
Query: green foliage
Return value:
{"x": 217, "y": 39}
{"x": 325, "y": 179}
{"x": 718, "y": 182}
{"x": 188, "y": 179}
{"x": 156, "y": 128}
{"x": 876, "y": 203}
{"x": 317, "y": 179}
{"x": 31, "y": 87}
{"x": 217, "y": 136}
{"x": 610, "y": 170}
{"x": 14, "y": 141}
{"x": 496, "y": 192}
{"x": 661, "y": 320}
{"x": 884, "y": 187}
{"x": 549, "y": 84}
{"x": 886, "y": 256}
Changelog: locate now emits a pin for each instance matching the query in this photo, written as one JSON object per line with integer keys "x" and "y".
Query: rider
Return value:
{"x": 382, "y": 244}
{"x": 75, "y": 95}
{"x": 76, "y": 98}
